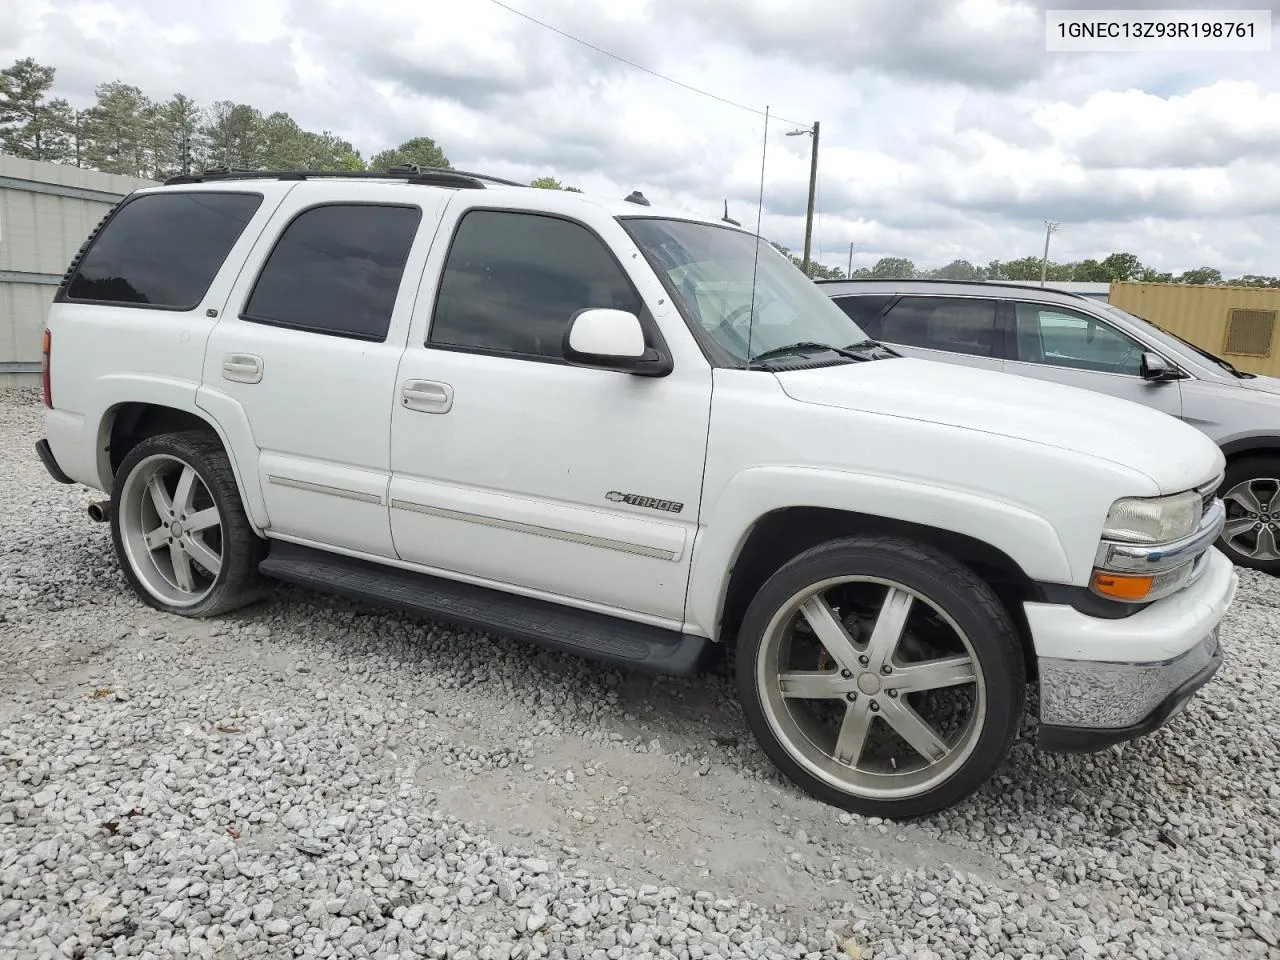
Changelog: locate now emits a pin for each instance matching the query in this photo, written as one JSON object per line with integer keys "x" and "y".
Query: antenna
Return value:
{"x": 726, "y": 218}
{"x": 755, "y": 263}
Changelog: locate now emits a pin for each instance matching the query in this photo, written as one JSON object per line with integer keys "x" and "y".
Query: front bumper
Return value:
{"x": 1092, "y": 706}
{"x": 1107, "y": 681}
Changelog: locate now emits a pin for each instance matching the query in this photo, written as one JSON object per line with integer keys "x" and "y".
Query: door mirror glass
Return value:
{"x": 1157, "y": 369}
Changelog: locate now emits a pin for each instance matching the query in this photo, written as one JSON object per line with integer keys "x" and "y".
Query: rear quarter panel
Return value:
{"x": 104, "y": 356}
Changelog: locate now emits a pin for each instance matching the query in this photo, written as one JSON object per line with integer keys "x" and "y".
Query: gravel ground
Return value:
{"x": 312, "y": 778}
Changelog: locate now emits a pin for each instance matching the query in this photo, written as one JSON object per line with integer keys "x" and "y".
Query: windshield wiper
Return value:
{"x": 870, "y": 346}
{"x": 804, "y": 346}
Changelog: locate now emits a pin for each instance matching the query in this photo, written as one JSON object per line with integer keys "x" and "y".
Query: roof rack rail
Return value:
{"x": 958, "y": 283}
{"x": 410, "y": 173}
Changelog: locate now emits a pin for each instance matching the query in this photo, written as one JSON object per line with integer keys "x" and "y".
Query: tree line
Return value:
{"x": 1114, "y": 267}
{"x": 127, "y": 132}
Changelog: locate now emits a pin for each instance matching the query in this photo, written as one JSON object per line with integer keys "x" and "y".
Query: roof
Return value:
{"x": 1085, "y": 287}
{"x": 995, "y": 287}
{"x": 496, "y": 189}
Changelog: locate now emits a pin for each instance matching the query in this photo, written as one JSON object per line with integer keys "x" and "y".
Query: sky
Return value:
{"x": 946, "y": 129}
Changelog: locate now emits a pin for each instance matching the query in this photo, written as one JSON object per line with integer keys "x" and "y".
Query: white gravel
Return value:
{"x": 311, "y": 778}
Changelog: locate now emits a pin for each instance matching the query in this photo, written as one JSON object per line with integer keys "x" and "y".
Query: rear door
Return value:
{"x": 308, "y": 347}
{"x": 960, "y": 330}
{"x": 1064, "y": 345}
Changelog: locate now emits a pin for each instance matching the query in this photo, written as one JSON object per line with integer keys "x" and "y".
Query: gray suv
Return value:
{"x": 1058, "y": 336}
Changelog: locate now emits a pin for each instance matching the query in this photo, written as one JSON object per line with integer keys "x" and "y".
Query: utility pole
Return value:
{"x": 1049, "y": 227}
{"x": 850, "y": 273}
{"x": 813, "y": 185}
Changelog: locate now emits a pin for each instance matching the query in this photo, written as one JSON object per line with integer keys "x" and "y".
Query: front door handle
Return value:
{"x": 427, "y": 396}
{"x": 242, "y": 367}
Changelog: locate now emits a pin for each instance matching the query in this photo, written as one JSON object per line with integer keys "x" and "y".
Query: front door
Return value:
{"x": 1072, "y": 347}
{"x": 510, "y": 466}
{"x": 308, "y": 347}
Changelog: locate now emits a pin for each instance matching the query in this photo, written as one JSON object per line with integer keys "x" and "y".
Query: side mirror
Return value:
{"x": 1157, "y": 370}
{"x": 611, "y": 340}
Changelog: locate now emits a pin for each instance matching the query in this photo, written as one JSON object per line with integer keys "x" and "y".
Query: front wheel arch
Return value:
{"x": 779, "y": 536}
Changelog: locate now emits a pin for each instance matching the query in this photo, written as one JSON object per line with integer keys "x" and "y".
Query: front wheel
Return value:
{"x": 179, "y": 528}
{"x": 1251, "y": 492}
{"x": 881, "y": 676}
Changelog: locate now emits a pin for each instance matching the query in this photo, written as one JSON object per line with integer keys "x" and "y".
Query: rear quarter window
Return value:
{"x": 161, "y": 249}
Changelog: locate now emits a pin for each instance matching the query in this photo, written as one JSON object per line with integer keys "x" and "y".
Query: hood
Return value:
{"x": 1261, "y": 384}
{"x": 1172, "y": 454}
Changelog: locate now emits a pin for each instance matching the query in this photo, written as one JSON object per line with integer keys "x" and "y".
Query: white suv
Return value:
{"x": 639, "y": 437}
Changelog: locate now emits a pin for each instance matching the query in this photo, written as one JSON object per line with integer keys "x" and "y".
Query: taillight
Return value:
{"x": 46, "y": 346}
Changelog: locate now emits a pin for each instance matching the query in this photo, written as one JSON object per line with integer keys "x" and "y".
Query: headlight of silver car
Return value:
{"x": 1153, "y": 519}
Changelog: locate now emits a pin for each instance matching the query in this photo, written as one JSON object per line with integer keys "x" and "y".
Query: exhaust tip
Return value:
{"x": 100, "y": 511}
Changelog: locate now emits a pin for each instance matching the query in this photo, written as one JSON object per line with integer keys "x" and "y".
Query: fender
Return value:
{"x": 226, "y": 420}
{"x": 1251, "y": 443}
{"x": 1029, "y": 539}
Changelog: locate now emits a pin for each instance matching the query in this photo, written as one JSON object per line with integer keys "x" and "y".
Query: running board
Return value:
{"x": 595, "y": 636}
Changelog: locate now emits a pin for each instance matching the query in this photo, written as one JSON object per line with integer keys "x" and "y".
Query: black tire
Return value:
{"x": 952, "y": 588}
{"x": 237, "y": 582}
{"x": 1244, "y": 471}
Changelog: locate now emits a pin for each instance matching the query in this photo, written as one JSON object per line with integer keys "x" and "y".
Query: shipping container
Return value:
{"x": 1237, "y": 323}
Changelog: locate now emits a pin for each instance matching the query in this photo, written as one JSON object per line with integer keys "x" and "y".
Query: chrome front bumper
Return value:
{"x": 1089, "y": 705}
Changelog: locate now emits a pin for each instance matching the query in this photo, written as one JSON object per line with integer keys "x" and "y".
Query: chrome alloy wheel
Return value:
{"x": 1253, "y": 518}
{"x": 871, "y": 687}
{"x": 171, "y": 530}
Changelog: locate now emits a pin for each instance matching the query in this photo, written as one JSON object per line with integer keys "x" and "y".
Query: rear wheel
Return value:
{"x": 1251, "y": 492}
{"x": 179, "y": 529}
{"x": 881, "y": 676}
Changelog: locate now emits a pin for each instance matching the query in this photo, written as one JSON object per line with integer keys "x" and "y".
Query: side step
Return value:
{"x": 558, "y": 627}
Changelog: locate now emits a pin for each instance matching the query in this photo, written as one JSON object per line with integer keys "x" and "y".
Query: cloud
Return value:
{"x": 979, "y": 43}
{"x": 946, "y": 129}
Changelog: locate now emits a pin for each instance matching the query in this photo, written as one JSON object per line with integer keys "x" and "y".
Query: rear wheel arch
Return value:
{"x": 124, "y": 425}
{"x": 783, "y": 534}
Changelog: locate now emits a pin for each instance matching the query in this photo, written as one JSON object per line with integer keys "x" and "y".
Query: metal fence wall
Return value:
{"x": 1237, "y": 323}
{"x": 46, "y": 211}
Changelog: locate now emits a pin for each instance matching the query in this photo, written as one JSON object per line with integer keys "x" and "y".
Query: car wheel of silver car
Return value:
{"x": 1251, "y": 492}
{"x": 881, "y": 676}
{"x": 179, "y": 528}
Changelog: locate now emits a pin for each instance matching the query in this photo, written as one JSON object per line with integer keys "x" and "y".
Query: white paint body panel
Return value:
{"x": 511, "y": 483}
{"x": 320, "y": 410}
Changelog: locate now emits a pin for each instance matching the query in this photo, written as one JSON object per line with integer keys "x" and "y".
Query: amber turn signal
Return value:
{"x": 1120, "y": 586}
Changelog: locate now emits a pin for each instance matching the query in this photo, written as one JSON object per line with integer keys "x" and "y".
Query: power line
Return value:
{"x": 632, "y": 63}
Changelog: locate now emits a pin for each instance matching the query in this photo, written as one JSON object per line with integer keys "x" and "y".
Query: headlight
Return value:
{"x": 1154, "y": 519}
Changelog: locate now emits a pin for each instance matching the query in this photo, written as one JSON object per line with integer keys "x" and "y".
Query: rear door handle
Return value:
{"x": 427, "y": 396}
{"x": 242, "y": 367}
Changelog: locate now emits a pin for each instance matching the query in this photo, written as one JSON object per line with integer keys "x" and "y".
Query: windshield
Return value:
{"x": 1173, "y": 340}
{"x": 709, "y": 270}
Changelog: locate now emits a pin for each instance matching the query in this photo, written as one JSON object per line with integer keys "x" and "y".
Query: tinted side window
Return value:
{"x": 865, "y": 311}
{"x": 162, "y": 249}
{"x": 513, "y": 280}
{"x": 1063, "y": 338}
{"x": 336, "y": 269}
{"x": 954, "y": 324}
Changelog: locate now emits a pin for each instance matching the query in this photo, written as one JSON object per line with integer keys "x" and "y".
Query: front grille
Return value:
{"x": 1208, "y": 493}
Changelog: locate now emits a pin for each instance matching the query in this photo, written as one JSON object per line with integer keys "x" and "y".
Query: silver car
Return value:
{"x": 1052, "y": 335}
